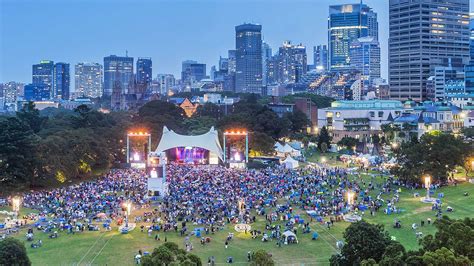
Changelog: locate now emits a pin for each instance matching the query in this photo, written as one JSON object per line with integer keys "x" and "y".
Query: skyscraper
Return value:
{"x": 292, "y": 62}
{"x": 43, "y": 74}
{"x": 118, "y": 72}
{"x": 320, "y": 57}
{"x": 365, "y": 58}
{"x": 144, "y": 71}
{"x": 266, "y": 55}
{"x": 37, "y": 92}
{"x": 423, "y": 34}
{"x": 192, "y": 71}
{"x": 166, "y": 81}
{"x": 61, "y": 82}
{"x": 248, "y": 46}
{"x": 88, "y": 80}
{"x": 347, "y": 23}
{"x": 471, "y": 38}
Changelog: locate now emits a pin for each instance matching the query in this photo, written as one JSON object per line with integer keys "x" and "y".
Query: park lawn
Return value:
{"x": 113, "y": 248}
{"x": 330, "y": 157}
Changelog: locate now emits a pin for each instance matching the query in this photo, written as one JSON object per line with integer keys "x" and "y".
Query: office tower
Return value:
{"x": 469, "y": 78}
{"x": 192, "y": 71}
{"x": 437, "y": 30}
{"x": 232, "y": 61}
{"x": 144, "y": 71}
{"x": 266, "y": 55}
{"x": 10, "y": 93}
{"x": 471, "y": 38}
{"x": 223, "y": 64}
{"x": 88, "y": 80}
{"x": 118, "y": 73}
{"x": 248, "y": 46}
{"x": 292, "y": 62}
{"x": 347, "y": 23}
{"x": 43, "y": 74}
{"x": 320, "y": 57}
{"x": 37, "y": 92}
{"x": 365, "y": 58}
{"x": 442, "y": 76}
{"x": 166, "y": 82}
{"x": 61, "y": 81}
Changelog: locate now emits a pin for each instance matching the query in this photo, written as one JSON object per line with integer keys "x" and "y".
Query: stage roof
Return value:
{"x": 208, "y": 141}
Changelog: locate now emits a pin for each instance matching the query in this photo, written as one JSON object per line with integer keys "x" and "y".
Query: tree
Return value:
{"x": 435, "y": 154}
{"x": 319, "y": 100}
{"x": 444, "y": 256}
{"x": 363, "y": 241}
{"x": 299, "y": 121}
{"x": 170, "y": 254}
{"x": 31, "y": 117}
{"x": 262, "y": 258}
{"x": 394, "y": 255}
{"x": 324, "y": 137}
{"x": 456, "y": 235}
{"x": 348, "y": 142}
{"x": 18, "y": 157}
{"x": 13, "y": 252}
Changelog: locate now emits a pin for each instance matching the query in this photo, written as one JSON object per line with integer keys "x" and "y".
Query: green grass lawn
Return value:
{"x": 112, "y": 248}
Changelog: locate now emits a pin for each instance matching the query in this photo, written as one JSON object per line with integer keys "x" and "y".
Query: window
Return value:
{"x": 372, "y": 114}
{"x": 380, "y": 113}
{"x": 338, "y": 114}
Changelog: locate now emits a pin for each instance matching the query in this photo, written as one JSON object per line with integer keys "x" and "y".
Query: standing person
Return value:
{"x": 226, "y": 244}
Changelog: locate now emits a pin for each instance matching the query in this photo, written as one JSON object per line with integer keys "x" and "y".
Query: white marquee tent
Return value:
{"x": 208, "y": 141}
{"x": 290, "y": 163}
{"x": 283, "y": 150}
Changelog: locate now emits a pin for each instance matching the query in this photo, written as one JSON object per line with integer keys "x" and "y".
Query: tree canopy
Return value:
{"x": 13, "y": 252}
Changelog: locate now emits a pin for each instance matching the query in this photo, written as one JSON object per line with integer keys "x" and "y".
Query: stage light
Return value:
{"x": 136, "y": 157}
{"x": 237, "y": 157}
{"x": 153, "y": 173}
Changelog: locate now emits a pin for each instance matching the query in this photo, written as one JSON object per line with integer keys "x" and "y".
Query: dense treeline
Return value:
{"x": 57, "y": 145}
{"x": 368, "y": 244}
{"x": 36, "y": 150}
{"x": 436, "y": 154}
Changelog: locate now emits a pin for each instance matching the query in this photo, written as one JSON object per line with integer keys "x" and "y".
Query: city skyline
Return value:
{"x": 143, "y": 36}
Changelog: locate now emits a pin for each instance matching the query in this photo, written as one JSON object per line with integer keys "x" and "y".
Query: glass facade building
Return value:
{"x": 248, "y": 46}
{"x": 37, "y": 92}
{"x": 320, "y": 57}
{"x": 346, "y": 24}
{"x": 43, "y": 74}
{"x": 61, "y": 83}
{"x": 144, "y": 71}
{"x": 118, "y": 70}
{"x": 365, "y": 58}
{"x": 192, "y": 71}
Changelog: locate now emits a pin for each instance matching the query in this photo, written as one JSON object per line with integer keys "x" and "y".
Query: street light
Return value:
{"x": 394, "y": 145}
{"x": 128, "y": 209}
{"x": 350, "y": 197}
{"x": 427, "y": 185}
{"x": 16, "y": 202}
{"x": 323, "y": 159}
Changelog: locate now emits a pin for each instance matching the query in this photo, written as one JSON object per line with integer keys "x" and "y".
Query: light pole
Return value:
{"x": 16, "y": 202}
{"x": 350, "y": 198}
{"x": 427, "y": 185}
{"x": 128, "y": 207}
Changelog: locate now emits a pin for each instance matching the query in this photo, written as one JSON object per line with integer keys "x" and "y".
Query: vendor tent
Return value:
{"x": 290, "y": 163}
{"x": 283, "y": 150}
{"x": 290, "y": 237}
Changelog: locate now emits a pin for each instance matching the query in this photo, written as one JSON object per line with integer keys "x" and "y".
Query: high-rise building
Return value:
{"x": 320, "y": 57}
{"x": 365, "y": 58}
{"x": 43, "y": 74}
{"x": 469, "y": 78}
{"x": 223, "y": 63}
{"x": 423, "y": 34}
{"x": 61, "y": 81}
{"x": 192, "y": 71}
{"x": 471, "y": 37}
{"x": 266, "y": 55}
{"x": 118, "y": 73}
{"x": 232, "y": 61}
{"x": 346, "y": 24}
{"x": 144, "y": 71}
{"x": 10, "y": 94}
{"x": 248, "y": 46}
{"x": 88, "y": 80}
{"x": 167, "y": 82}
{"x": 292, "y": 62}
{"x": 37, "y": 92}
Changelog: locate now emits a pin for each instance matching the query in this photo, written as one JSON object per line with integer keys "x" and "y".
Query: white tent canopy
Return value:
{"x": 290, "y": 163}
{"x": 208, "y": 141}
{"x": 282, "y": 150}
{"x": 287, "y": 235}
